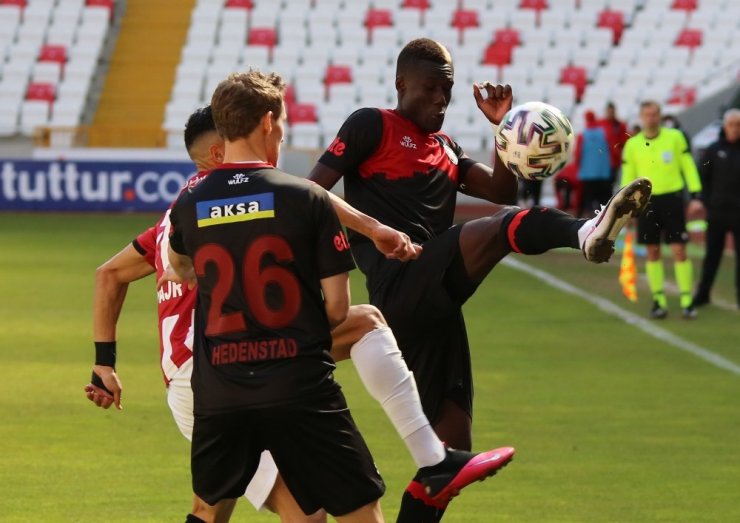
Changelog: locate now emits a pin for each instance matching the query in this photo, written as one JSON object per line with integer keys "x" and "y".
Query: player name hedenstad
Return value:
{"x": 239, "y": 209}
{"x": 251, "y": 351}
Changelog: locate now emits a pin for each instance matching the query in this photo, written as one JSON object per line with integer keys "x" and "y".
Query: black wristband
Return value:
{"x": 695, "y": 195}
{"x": 105, "y": 353}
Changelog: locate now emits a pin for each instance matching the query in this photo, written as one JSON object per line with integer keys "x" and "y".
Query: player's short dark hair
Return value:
{"x": 240, "y": 102}
{"x": 199, "y": 123}
{"x": 422, "y": 49}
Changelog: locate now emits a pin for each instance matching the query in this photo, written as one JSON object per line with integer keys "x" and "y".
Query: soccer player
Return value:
{"x": 662, "y": 155}
{"x": 272, "y": 276}
{"x": 364, "y": 336}
{"x": 400, "y": 170}
{"x": 720, "y": 175}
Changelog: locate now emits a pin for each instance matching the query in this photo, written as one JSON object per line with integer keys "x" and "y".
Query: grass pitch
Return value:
{"x": 610, "y": 424}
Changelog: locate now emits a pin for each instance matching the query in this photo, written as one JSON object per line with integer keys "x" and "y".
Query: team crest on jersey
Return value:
{"x": 239, "y": 209}
{"x": 450, "y": 153}
{"x": 238, "y": 179}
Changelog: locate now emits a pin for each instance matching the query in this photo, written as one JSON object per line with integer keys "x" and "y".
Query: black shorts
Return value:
{"x": 663, "y": 217}
{"x": 317, "y": 448}
{"x": 422, "y": 302}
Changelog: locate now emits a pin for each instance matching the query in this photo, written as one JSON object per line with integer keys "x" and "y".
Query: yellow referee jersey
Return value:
{"x": 665, "y": 160}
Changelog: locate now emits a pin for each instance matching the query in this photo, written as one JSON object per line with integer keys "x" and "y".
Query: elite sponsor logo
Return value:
{"x": 407, "y": 142}
{"x": 232, "y": 210}
{"x": 340, "y": 242}
{"x": 337, "y": 147}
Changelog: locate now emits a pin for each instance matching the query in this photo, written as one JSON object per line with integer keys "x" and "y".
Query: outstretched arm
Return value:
{"x": 111, "y": 283}
{"x": 394, "y": 244}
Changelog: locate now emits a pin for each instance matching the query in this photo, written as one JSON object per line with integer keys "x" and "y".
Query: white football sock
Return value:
{"x": 386, "y": 377}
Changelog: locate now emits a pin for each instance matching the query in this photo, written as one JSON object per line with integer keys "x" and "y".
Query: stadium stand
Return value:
{"x": 576, "y": 54}
{"x": 51, "y": 49}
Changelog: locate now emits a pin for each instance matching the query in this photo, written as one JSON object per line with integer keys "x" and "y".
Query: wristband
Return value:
{"x": 105, "y": 353}
{"x": 695, "y": 196}
{"x": 98, "y": 382}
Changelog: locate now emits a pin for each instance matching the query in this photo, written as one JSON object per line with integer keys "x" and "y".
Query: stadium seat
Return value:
{"x": 106, "y": 4}
{"x": 53, "y": 53}
{"x": 575, "y": 76}
{"x": 302, "y": 113}
{"x": 41, "y": 91}
{"x": 262, "y": 36}
{"x": 686, "y": 5}
{"x": 690, "y": 38}
{"x": 416, "y": 4}
{"x": 34, "y": 114}
{"x": 19, "y": 3}
{"x": 338, "y": 74}
{"x": 497, "y": 54}
{"x": 240, "y": 4}
{"x": 613, "y": 20}
{"x": 463, "y": 19}
{"x": 507, "y": 36}
{"x": 375, "y": 20}
{"x": 47, "y": 72}
{"x": 682, "y": 95}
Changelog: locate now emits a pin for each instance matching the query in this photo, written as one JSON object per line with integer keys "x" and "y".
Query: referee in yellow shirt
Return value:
{"x": 663, "y": 156}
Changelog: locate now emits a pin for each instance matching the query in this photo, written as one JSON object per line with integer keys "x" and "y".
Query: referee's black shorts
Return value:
{"x": 422, "y": 302}
{"x": 317, "y": 448}
{"x": 664, "y": 219}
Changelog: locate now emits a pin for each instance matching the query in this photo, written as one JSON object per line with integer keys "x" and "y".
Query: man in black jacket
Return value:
{"x": 720, "y": 176}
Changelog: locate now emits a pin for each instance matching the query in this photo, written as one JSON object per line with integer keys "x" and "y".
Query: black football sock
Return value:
{"x": 539, "y": 229}
{"x": 417, "y": 507}
{"x": 193, "y": 519}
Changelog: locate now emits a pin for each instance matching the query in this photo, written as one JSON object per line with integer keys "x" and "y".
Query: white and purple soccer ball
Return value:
{"x": 534, "y": 140}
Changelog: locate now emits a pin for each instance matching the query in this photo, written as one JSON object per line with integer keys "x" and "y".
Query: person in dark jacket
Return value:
{"x": 720, "y": 175}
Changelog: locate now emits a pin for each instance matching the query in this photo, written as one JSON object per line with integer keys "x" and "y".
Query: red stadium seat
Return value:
{"x": 101, "y": 3}
{"x": 19, "y": 3}
{"x": 302, "y": 113}
{"x": 338, "y": 74}
{"x": 575, "y": 76}
{"x": 416, "y": 4}
{"x": 508, "y": 36}
{"x": 53, "y": 53}
{"x": 243, "y": 4}
{"x": 39, "y": 91}
{"x": 497, "y": 54}
{"x": 689, "y": 38}
{"x": 378, "y": 18}
{"x": 262, "y": 36}
{"x": 289, "y": 95}
{"x": 539, "y": 5}
{"x": 465, "y": 19}
{"x": 682, "y": 95}
{"x": 685, "y": 5}
{"x": 613, "y": 20}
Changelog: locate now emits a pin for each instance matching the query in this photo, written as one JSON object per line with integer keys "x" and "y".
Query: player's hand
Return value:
{"x": 497, "y": 102}
{"x": 169, "y": 274}
{"x": 109, "y": 393}
{"x": 396, "y": 245}
{"x": 695, "y": 209}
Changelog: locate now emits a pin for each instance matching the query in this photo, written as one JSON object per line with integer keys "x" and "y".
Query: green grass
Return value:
{"x": 610, "y": 425}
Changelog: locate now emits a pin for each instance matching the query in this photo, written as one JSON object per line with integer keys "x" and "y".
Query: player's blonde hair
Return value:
{"x": 239, "y": 102}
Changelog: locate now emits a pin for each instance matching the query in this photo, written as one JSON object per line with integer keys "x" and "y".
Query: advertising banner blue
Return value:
{"x": 36, "y": 185}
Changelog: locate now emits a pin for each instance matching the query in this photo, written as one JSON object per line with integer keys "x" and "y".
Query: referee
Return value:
{"x": 663, "y": 156}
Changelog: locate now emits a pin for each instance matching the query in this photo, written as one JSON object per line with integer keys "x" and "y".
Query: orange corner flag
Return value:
{"x": 628, "y": 269}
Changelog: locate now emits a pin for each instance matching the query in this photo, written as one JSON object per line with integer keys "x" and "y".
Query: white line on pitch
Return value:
{"x": 643, "y": 324}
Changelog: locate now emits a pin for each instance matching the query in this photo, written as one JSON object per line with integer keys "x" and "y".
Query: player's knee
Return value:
{"x": 369, "y": 318}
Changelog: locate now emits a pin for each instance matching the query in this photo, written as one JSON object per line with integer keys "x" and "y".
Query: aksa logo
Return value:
{"x": 239, "y": 209}
{"x": 238, "y": 178}
{"x": 407, "y": 142}
{"x": 337, "y": 147}
{"x": 340, "y": 242}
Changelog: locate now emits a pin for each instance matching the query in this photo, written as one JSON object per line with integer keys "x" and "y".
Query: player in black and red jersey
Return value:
{"x": 399, "y": 169}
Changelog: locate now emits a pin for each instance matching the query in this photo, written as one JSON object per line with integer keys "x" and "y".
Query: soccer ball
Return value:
{"x": 534, "y": 140}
